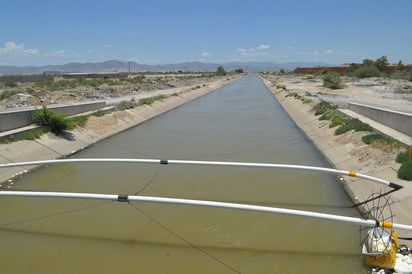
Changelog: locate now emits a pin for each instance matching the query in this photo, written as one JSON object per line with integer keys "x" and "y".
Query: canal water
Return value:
{"x": 239, "y": 122}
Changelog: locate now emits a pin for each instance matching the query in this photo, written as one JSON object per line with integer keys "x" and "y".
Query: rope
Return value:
{"x": 184, "y": 240}
{"x": 158, "y": 170}
{"x": 55, "y": 215}
{"x": 376, "y": 197}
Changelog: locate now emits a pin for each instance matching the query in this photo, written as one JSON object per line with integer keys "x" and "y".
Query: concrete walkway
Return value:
{"x": 385, "y": 130}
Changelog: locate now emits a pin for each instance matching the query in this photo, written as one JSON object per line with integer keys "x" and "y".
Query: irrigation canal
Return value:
{"x": 239, "y": 122}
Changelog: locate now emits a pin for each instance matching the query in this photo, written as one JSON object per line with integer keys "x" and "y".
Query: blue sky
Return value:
{"x": 162, "y": 32}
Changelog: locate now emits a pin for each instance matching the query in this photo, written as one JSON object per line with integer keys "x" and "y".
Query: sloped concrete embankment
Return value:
{"x": 342, "y": 152}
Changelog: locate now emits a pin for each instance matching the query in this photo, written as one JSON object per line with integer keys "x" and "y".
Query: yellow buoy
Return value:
{"x": 379, "y": 254}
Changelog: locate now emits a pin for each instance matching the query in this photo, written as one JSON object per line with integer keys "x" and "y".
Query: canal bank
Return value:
{"x": 348, "y": 152}
{"x": 50, "y": 146}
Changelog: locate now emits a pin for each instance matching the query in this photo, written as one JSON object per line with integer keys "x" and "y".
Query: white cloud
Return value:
{"x": 263, "y": 47}
{"x": 12, "y": 49}
{"x": 56, "y": 53}
{"x": 315, "y": 52}
{"x": 206, "y": 54}
{"x": 328, "y": 52}
{"x": 259, "y": 50}
{"x": 108, "y": 46}
{"x": 241, "y": 51}
{"x": 251, "y": 53}
{"x": 90, "y": 51}
{"x": 60, "y": 53}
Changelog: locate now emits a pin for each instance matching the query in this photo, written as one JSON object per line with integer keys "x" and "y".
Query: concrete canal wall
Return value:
{"x": 21, "y": 118}
{"x": 400, "y": 121}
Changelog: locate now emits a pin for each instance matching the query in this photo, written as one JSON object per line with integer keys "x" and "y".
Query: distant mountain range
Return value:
{"x": 120, "y": 66}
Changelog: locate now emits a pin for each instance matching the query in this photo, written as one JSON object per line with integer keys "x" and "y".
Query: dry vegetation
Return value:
{"x": 64, "y": 90}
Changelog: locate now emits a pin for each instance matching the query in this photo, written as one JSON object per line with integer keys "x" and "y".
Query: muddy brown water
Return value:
{"x": 239, "y": 122}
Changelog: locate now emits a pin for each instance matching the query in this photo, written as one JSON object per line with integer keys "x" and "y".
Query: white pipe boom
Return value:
{"x": 209, "y": 163}
{"x": 153, "y": 199}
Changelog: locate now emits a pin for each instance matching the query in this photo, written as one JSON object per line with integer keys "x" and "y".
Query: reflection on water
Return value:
{"x": 239, "y": 122}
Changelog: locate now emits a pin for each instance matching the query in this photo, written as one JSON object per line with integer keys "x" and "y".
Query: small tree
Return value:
{"x": 400, "y": 65}
{"x": 220, "y": 71}
{"x": 382, "y": 63}
{"x": 367, "y": 62}
{"x": 367, "y": 71}
{"x": 332, "y": 80}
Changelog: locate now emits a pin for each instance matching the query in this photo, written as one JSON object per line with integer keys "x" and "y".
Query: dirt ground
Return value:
{"x": 62, "y": 90}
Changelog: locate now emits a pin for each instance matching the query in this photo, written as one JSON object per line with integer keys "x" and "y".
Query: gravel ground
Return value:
{"x": 36, "y": 94}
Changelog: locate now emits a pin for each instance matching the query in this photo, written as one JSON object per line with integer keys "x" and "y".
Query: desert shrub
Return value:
{"x": 405, "y": 171}
{"x": 10, "y": 84}
{"x": 99, "y": 113}
{"x": 32, "y": 134}
{"x": 332, "y": 80}
{"x": 49, "y": 85}
{"x": 402, "y": 157}
{"x": 139, "y": 79}
{"x": 293, "y": 94}
{"x": 94, "y": 82}
{"x": 151, "y": 100}
{"x": 306, "y": 100}
{"x": 30, "y": 91}
{"x": 381, "y": 141}
{"x": 337, "y": 120}
{"x": 334, "y": 118}
{"x": 327, "y": 115}
{"x": 324, "y": 106}
{"x": 369, "y": 139}
{"x": 146, "y": 101}
{"x": 7, "y": 94}
{"x": 367, "y": 71}
{"x": 80, "y": 121}
{"x": 56, "y": 122}
{"x": 352, "y": 124}
{"x": 123, "y": 105}
{"x": 53, "y": 86}
{"x": 401, "y": 74}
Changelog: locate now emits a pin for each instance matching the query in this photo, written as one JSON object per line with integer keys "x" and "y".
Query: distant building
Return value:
{"x": 95, "y": 75}
{"x": 52, "y": 72}
{"x": 26, "y": 78}
{"x": 307, "y": 70}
